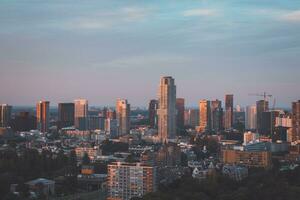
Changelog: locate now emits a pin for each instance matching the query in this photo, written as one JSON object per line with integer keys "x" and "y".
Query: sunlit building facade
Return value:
{"x": 166, "y": 109}
{"x": 42, "y": 116}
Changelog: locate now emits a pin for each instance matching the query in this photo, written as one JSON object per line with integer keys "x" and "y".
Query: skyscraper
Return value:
{"x": 180, "y": 113}
{"x": 65, "y": 115}
{"x": 204, "y": 116}
{"x": 5, "y": 115}
{"x": 81, "y": 114}
{"x": 123, "y": 116}
{"x": 217, "y": 115}
{"x": 296, "y": 120}
{"x": 251, "y": 117}
{"x": 228, "y": 111}
{"x": 166, "y": 109}
{"x": 153, "y": 106}
{"x": 42, "y": 116}
{"x": 261, "y": 107}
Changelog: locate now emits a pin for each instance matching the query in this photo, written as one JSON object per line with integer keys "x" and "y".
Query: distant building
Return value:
{"x": 123, "y": 116}
{"x": 65, "y": 115}
{"x": 167, "y": 109}
{"x": 24, "y": 121}
{"x": 5, "y": 115}
{"x": 217, "y": 115}
{"x": 191, "y": 117}
{"x": 260, "y": 159}
{"x": 96, "y": 123}
{"x": 180, "y": 114}
{"x": 228, "y": 111}
{"x": 204, "y": 116}
{"x": 296, "y": 120}
{"x": 81, "y": 113}
{"x": 152, "y": 109}
{"x": 42, "y": 116}
{"x": 250, "y": 118}
{"x": 262, "y": 106}
{"x": 128, "y": 180}
{"x": 111, "y": 127}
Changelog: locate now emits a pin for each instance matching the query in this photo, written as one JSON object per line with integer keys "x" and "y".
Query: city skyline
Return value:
{"x": 102, "y": 51}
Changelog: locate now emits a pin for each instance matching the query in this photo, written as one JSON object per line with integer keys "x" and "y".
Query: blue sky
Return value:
{"x": 101, "y": 50}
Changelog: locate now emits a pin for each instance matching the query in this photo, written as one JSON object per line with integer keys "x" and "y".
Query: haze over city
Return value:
{"x": 102, "y": 50}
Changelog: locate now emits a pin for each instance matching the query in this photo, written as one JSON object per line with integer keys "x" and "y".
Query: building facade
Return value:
{"x": 217, "y": 115}
{"x": 65, "y": 115}
{"x": 128, "y": 180}
{"x": 42, "y": 116}
{"x": 5, "y": 115}
{"x": 180, "y": 113}
{"x": 166, "y": 109}
{"x": 204, "y": 116}
{"x": 262, "y": 106}
{"x": 81, "y": 114}
{"x": 250, "y": 118}
{"x": 296, "y": 120}
{"x": 123, "y": 116}
{"x": 228, "y": 111}
{"x": 152, "y": 109}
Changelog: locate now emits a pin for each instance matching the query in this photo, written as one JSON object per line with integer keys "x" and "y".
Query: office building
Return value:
{"x": 250, "y": 118}
{"x": 217, "y": 115}
{"x": 228, "y": 111}
{"x": 296, "y": 120}
{"x": 261, "y": 107}
{"x": 128, "y": 180}
{"x": 123, "y": 116}
{"x": 81, "y": 113}
{"x": 250, "y": 137}
{"x": 180, "y": 114}
{"x": 5, "y": 115}
{"x": 152, "y": 109}
{"x": 166, "y": 109}
{"x": 204, "y": 116}
{"x": 65, "y": 115}
{"x": 42, "y": 116}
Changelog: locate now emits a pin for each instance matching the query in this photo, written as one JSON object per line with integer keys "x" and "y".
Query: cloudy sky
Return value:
{"x": 61, "y": 50}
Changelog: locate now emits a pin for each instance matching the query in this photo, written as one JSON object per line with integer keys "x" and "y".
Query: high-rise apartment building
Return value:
{"x": 153, "y": 106}
{"x": 217, "y": 115}
{"x": 65, "y": 115}
{"x": 228, "y": 111}
{"x": 5, "y": 115}
{"x": 251, "y": 117}
{"x": 81, "y": 114}
{"x": 296, "y": 120}
{"x": 204, "y": 116}
{"x": 166, "y": 109}
{"x": 261, "y": 107}
{"x": 128, "y": 180}
{"x": 42, "y": 116}
{"x": 180, "y": 114}
{"x": 123, "y": 116}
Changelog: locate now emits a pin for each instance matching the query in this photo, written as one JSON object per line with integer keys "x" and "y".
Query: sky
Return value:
{"x": 101, "y": 50}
